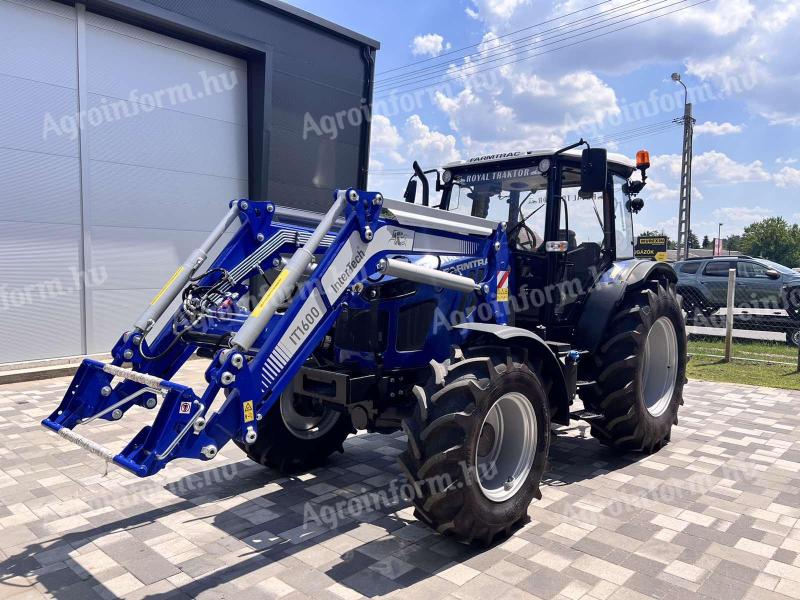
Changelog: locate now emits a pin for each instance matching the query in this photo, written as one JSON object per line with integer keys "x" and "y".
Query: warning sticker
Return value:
{"x": 502, "y": 286}
{"x": 248, "y": 411}
{"x": 164, "y": 289}
{"x": 185, "y": 408}
{"x": 270, "y": 292}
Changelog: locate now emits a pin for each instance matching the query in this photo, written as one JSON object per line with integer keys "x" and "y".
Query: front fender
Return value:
{"x": 559, "y": 397}
{"x": 604, "y": 299}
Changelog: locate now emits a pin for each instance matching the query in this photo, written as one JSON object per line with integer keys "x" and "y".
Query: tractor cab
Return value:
{"x": 569, "y": 216}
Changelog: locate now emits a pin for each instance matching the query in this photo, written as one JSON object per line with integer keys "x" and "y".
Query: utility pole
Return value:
{"x": 685, "y": 209}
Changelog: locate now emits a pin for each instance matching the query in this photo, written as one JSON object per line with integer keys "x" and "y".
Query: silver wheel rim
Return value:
{"x": 506, "y": 447}
{"x": 660, "y": 366}
{"x": 303, "y": 425}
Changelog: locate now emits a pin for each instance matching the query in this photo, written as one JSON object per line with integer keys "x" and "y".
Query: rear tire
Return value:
{"x": 478, "y": 443}
{"x": 640, "y": 371}
{"x": 291, "y": 445}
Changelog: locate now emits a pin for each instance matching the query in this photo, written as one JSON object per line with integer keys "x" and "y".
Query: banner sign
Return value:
{"x": 651, "y": 247}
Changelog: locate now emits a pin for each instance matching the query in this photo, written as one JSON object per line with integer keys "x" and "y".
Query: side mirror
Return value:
{"x": 421, "y": 176}
{"x": 411, "y": 191}
{"x": 773, "y": 274}
{"x": 594, "y": 171}
{"x": 634, "y": 205}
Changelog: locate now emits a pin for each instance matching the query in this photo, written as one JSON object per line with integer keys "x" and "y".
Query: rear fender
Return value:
{"x": 551, "y": 365}
{"x": 605, "y": 298}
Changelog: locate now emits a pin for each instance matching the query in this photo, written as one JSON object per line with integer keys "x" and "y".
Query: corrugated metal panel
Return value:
{"x": 40, "y": 187}
{"x": 169, "y": 154}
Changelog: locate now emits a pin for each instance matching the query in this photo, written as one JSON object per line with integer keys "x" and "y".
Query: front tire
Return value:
{"x": 478, "y": 443}
{"x": 297, "y": 435}
{"x": 640, "y": 371}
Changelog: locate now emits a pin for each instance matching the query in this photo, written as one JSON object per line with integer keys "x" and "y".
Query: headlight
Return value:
{"x": 544, "y": 165}
{"x": 447, "y": 176}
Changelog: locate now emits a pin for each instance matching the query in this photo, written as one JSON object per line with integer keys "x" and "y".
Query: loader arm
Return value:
{"x": 256, "y": 354}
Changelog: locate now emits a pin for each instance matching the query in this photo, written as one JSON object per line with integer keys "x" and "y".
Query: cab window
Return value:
{"x": 751, "y": 270}
{"x": 718, "y": 268}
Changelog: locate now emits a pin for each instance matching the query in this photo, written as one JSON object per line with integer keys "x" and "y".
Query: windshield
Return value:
{"x": 486, "y": 192}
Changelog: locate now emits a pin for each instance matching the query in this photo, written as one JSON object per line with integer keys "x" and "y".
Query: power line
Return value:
{"x": 469, "y": 69}
{"x": 457, "y": 50}
{"x": 568, "y": 45}
{"x": 510, "y": 44}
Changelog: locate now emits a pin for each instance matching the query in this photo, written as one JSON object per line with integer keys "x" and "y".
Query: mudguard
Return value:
{"x": 604, "y": 299}
{"x": 559, "y": 397}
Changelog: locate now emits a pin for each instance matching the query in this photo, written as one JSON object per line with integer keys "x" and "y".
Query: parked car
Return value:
{"x": 760, "y": 283}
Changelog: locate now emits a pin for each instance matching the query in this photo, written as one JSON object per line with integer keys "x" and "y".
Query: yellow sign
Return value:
{"x": 661, "y": 256}
{"x": 502, "y": 295}
{"x": 166, "y": 285}
{"x": 249, "y": 415}
{"x": 270, "y": 292}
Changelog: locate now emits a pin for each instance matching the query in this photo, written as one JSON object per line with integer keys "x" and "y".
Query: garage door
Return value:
{"x": 124, "y": 198}
{"x": 167, "y": 155}
{"x": 40, "y": 203}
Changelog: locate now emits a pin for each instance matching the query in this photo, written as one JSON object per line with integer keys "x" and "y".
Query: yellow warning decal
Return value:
{"x": 270, "y": 292}
{"x": 166, "y": 285}
{"x": 502, "y": 286}
{"x": 249, "y": 415}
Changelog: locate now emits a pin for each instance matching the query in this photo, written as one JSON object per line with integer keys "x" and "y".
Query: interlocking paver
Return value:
{"x": 714, "y": 515}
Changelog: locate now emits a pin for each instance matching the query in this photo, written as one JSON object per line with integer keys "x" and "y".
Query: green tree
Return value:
{"x": 693, "y": 241}
{"x": 773, "y": 239}
{"x": 733, "y": 243}
{"x": 706, "y": 242}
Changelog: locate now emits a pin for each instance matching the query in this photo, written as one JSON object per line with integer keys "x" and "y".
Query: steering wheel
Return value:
{"x": 530, "y": 243}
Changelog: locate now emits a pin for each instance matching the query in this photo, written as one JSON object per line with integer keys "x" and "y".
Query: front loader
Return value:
{"x": 471, "y": 334}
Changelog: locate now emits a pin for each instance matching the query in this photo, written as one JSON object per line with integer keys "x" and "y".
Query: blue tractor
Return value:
{"x": 471, "y": 325}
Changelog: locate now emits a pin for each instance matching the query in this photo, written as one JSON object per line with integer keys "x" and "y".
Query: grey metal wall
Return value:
{"x": 157, "y": 181}
{"x": 311, "y": 70}
{"x": 128, "y": 198}
{"x": 40, "y": 216}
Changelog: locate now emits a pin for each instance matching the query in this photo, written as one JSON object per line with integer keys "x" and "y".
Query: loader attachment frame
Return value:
{"x": 256, "y": 354}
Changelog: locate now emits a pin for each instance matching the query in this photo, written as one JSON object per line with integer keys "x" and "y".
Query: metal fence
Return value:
{"x": 740, "y": 324}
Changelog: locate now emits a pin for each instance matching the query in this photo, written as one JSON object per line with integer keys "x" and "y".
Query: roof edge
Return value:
{"x": 304, "y": 15}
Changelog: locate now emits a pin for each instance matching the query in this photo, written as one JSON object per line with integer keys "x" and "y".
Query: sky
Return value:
{"x": 461, "y": 78}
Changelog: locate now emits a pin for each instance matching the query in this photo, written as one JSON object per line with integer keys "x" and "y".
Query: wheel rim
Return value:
{"x": 660, "y": 368}
{"x": 796, "y": 337}
{"x": 506, "y": 447}
{"x": 305, "y": 418}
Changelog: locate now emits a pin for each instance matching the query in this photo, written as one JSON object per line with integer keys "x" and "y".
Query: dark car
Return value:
{"x": 760, "y": 283}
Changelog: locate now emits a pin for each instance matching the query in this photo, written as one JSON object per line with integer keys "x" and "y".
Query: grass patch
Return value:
{"x": 742, "y": 371}
{"x": 744, "y": 348}
{"x": 761, "y": 370}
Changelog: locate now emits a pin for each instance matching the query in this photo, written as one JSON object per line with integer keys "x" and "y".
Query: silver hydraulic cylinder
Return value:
{"x": 426, "y": 275}
{"x": 281, "y": 289}
{"x": 181, "y": 277}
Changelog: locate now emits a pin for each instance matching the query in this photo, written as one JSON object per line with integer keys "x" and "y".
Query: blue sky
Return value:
{"x": 739, "y": 58}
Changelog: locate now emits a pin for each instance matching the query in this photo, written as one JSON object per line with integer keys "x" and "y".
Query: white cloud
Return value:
{"x": 742, "y": 214}
{"x": 516, "y": 107}
{"x": 430, "y": 44}
{"x": 714, "y": 128}
{"x": 385, "y": 142}
{"x": 431, "y": 148}
{"x": 500, "y": 9}
{"x": 787, "y": 177}
{"x": 712, "y": 168}
{"x": 393, "y": 149}
{"x": 785, "y": 161}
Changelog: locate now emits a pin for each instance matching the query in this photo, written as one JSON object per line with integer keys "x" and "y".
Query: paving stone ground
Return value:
{"x": 714, "y": 515}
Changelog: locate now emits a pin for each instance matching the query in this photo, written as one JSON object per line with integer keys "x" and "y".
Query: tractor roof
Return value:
{"x": 613, "y": 158}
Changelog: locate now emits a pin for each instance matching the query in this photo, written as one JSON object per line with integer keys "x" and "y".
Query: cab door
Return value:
{"x": 714, "y": 281}
{"x": 754, "y": 287}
